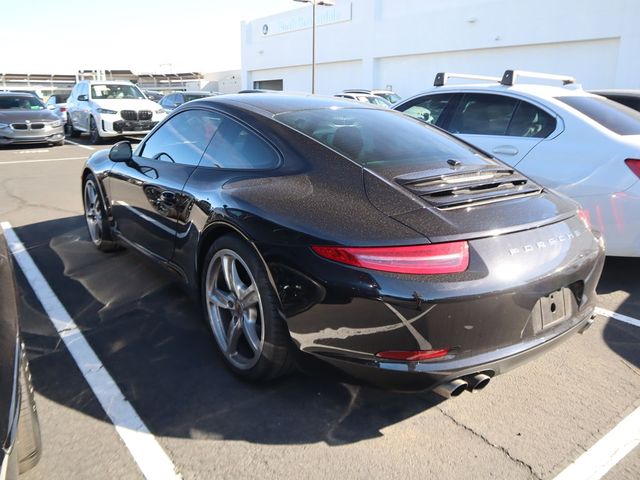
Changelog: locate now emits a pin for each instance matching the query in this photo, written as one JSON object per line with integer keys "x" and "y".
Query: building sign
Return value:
{"x": 301, "y": 19}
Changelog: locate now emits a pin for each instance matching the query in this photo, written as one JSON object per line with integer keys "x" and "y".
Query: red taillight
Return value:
{"x": 415, "y": 259}
{"x": 584, "y": 216}
{"x": 63, "y": 109}
{"x": 412, "y": 355}
{"x": 634, "y": 165}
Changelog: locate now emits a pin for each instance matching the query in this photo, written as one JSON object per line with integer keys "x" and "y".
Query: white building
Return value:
{"x": 404, "y": 43}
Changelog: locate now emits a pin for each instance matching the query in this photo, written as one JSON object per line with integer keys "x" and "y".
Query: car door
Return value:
{"x": 147, "y": 194}
{"x": 236, "y": 155}
{"x": 501, "y": 125}
{"x": 84, "y": 107}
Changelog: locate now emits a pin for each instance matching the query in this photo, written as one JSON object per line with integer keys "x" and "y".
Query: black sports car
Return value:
{"x": 378, "y": 244}
{"x": 20, "y": 443}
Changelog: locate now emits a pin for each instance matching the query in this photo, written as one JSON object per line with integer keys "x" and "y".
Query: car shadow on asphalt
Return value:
{"x": 151, "y": 338}
{"x": 621, "y": 275}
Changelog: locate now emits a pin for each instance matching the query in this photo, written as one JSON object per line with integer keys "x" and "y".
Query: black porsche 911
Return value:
{"x": 382, "y": 246}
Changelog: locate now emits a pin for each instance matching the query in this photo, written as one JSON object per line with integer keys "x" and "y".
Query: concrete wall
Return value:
{"x": 404, "y": 43}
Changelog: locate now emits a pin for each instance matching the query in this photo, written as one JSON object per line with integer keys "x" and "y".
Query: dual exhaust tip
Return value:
{"x": 455, "y": 387}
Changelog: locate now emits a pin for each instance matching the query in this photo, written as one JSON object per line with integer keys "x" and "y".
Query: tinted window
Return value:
{"x": 193, "y": 96}
{"x": 183, "y": 138}
{"x": 166, "y": 101}
{"x": 631, "y": 102}
{"x": 530, "y": 121}
{"x": 234, "y": 146}
{"x": 614, "y": 116}
{"x": 428, "y": 109}
{"x": 61, "y": 97}
{"x": 483, "y": 114}
{"x": 378, "y": 139}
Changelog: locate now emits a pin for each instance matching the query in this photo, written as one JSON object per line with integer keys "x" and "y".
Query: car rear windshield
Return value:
{"x": 617, "y": 118}
{"x": 21, "y": 102}
{"x": 379, "y": 139}
{"x": 115, "y": 91}
{"x": 194, "y": 96}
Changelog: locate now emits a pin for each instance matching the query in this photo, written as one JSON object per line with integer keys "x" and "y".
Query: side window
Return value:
{"x": 183, "y": 138}
{"x": 166, "y": 101}
{"x": 428, "y": 109}
{"x": 530, "y": 121}
{"x": 483, "y": 114}
{"x": 179, "y": 99}
{"x": 236, "y": 147}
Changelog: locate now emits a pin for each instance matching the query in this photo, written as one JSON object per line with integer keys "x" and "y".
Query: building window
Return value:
{"x": 268, "y": 84}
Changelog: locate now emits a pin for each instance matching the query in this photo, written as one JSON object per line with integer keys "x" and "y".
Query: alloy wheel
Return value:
{"x": 92, "y": 211}
{"x": 234, "y": 309}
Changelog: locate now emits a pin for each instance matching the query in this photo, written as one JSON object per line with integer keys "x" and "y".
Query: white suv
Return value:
{"x": 580, "y": 144}
{"x": 110, "y": 109}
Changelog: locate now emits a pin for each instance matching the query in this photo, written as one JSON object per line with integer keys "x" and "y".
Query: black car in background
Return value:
{"x": 629, "y": 98}
{"x": 175, "y": 99}
{"x": 153, "y": 95}
{"x": 369, "y": 240}
{"x": 20, "y": 443}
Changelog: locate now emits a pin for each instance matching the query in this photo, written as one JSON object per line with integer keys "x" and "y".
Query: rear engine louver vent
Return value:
{"x": 469, "y": 188}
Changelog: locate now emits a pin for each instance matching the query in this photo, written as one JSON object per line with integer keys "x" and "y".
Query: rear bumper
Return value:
{"x": 416, "y": 376}
{"x": 485, "y": 317}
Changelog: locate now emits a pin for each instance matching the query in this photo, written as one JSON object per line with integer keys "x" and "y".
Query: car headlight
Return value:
{"x": 107, "y": 111}
{"x": 4, "y": 125}
{"x": 160, "y": 111}
{"x": 56, "y": 123}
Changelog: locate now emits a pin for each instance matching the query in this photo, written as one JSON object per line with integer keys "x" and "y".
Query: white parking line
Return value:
{"x": 617, "y": 316}
{"x": 79, "y": 144}
{"x": 609, "y": 450}
{"x": 146, "y": 451}
{"x": 42, "y": 160}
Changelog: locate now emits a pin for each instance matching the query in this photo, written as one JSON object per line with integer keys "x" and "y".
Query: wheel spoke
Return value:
{"x": 220, "y": 299}
{"x": 237, "y": 285}
{"x": 249, "y": 330}
{"x": 248, "y": 297}
{"x": 227, "y": 265}
{"x": 233, "y": 335}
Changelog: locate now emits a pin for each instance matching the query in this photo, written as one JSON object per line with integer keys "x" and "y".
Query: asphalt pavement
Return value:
{"x": 149, "y": 335}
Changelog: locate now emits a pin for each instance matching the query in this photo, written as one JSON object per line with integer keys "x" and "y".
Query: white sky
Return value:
{"x": 62, "y": 36}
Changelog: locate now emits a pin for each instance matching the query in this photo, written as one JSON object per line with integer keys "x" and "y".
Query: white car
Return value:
{"x": 577, "y": 143}
{"x": 110, "y": 109}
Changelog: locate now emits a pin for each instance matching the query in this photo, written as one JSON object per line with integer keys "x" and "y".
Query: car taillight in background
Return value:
{"x": 634, "y": 165}
{"x": 63, "y": 109}
{"x": 430, "y": 259}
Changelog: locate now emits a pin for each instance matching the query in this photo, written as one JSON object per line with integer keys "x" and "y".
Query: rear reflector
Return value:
{"x": 634, "y": 165}
{"x": 431, "y": 259}
{"x": 412, "y": 355}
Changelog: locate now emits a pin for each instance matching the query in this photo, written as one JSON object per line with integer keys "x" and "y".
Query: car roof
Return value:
{"x": 16, "y": 94}
{"x": 275, "y": 103}
{"x": 109, "y": 82}
{"x": 193, "y": 92}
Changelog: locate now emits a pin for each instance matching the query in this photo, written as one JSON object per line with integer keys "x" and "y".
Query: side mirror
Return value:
{"x": 121, "y": 152}
{"x": 83, "y": 98}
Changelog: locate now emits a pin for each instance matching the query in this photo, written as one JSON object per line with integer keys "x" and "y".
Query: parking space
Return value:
{"x": 149, "y": 335}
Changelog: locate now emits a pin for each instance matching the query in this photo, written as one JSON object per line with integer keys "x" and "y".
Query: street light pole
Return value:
{"x": 326, "y": 3}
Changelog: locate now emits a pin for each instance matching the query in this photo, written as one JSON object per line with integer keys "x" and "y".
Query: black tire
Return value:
{"x": 69, "y": 130}
{"x": 275, "y": 357}
{"x": 94, "y": 133}
{"x": 28, "y": 441}
{"x": 96, "y": 216}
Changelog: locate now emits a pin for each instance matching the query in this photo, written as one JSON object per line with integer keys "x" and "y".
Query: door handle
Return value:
{"x": 505, "y": 150}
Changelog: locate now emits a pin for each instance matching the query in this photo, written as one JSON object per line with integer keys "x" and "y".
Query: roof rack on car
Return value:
{"x": 443, "y": 77}
{"x": 510, "y": 77}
